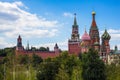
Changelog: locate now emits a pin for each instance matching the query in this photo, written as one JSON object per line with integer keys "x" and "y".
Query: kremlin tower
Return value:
{"x": 19, "y": 46}
{"x": 74, "y": 42}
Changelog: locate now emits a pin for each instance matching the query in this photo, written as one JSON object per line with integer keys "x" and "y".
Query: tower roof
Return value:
{"x": 85, "y": 36}
{"x": 19, "y": 37}
{"x": 93, "y": 20}
{"x": 75, "y": 21}
{"x": 56, "y": 46}
{"x": 106, "y": 35}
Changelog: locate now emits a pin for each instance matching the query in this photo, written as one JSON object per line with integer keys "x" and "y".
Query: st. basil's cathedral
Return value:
{"x": 92, "y": 40}
{"x": 75, "y": 44}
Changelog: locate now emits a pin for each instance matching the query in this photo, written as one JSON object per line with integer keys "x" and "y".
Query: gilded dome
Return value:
{"x": 106, "y": 35}
{"x": 93, "y": 12}
{"x": 85, "y": 36}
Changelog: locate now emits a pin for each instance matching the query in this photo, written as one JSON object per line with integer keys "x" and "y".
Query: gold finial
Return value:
{"x": 93, "y": 12}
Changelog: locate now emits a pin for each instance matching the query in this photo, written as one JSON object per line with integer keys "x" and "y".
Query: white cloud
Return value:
{"x": 3, "y": 43}
{"x": 67, "y": 14}
{"x": 14, "y": 21}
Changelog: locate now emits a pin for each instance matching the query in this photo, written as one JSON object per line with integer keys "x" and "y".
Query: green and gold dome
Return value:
{"x": 106, "y": 35}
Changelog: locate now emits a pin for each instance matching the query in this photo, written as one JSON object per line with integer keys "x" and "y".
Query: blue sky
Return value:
{"x": 46, "y": 22}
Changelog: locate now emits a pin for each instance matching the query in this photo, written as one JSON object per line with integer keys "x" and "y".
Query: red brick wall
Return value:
{"x": 74, "y": 48}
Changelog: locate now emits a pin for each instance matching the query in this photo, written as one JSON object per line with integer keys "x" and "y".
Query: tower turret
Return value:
{"x": 94, "y": 34}
{"x": 56, "y": 48}
{"x": 19, "y": 43}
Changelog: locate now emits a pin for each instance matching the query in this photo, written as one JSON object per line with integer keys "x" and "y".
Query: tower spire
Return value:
{"x": 85, "y": 29}
{"x": 93, "y": 20}
{"x": 75, "y": 21}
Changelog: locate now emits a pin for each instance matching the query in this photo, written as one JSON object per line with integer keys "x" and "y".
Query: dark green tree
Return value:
{"x": 1, "y": 72}
{"x": 36, "y": 60}
{"x": 24, "y": 59}
{"x": 46, "y": 70}
{"x": 113, "y": 72}
{"x": 93, "y": 66}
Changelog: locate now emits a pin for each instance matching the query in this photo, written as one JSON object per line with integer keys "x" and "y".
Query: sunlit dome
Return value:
{"x": 93, "y": 12}
{"x": 85, "y": 36}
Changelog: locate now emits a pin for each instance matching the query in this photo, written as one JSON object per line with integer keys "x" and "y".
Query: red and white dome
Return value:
{"x": 85, "y": 36}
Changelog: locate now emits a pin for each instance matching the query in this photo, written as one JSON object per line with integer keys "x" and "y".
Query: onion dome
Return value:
{"x": 85, "y": 36}
{"x": 106, "y": 35}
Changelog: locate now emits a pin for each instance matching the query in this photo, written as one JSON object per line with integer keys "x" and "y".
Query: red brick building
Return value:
{"x": 43, "y": 54}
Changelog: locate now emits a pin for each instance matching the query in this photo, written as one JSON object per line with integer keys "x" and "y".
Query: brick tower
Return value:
{"x": 94, "y": 34}
{"x": 74, "y": 42}
{"x": 19, "y": 46}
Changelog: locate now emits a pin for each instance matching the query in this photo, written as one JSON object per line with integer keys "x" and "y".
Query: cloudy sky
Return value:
{"x": 46, "y": 22}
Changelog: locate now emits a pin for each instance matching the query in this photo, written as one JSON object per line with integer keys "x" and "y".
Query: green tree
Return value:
{"x": 36, "y": 60}
{"x": 1, "y": 72}
{"x": 70, "y": 66}
{"x": 62, "y": 74}
{"x": 24, "y": 59}
{"x": 93, "y": 66}
{"x": 113, "y": 72}
{"x": 46, "y": 70}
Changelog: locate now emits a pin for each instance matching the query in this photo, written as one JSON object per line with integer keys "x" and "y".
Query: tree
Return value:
{"x": 113, "y": 72}
{"x": 47, "y": 70}
{"x": 93, "y": 66}
{"x": 1, "y": 72}
{"x": 62, "y": 75}
{"x": 64, "y": 67}
{"x": 36, "y": 60}
{"x": 70, "y": 67}
{"x": 23, "y": 59}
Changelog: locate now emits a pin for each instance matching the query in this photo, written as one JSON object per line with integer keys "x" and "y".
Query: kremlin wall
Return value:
{"x": 76, "y": 45}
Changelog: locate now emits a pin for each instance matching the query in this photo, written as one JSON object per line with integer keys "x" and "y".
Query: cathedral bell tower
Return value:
{"x": 94, "y": 34}
{"x": 74, "y": 42}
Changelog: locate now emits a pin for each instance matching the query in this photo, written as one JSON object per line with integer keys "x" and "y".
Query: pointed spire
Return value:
{"x": 75, "y": 21}
{"x": 19, "y": 36}
{"x": 116, "y": 48}
{"x": 85, "y": 29}
{"x": 56, "y": 46}
{"x": 93, "y": 20}
{"x": 27, "y": 45}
